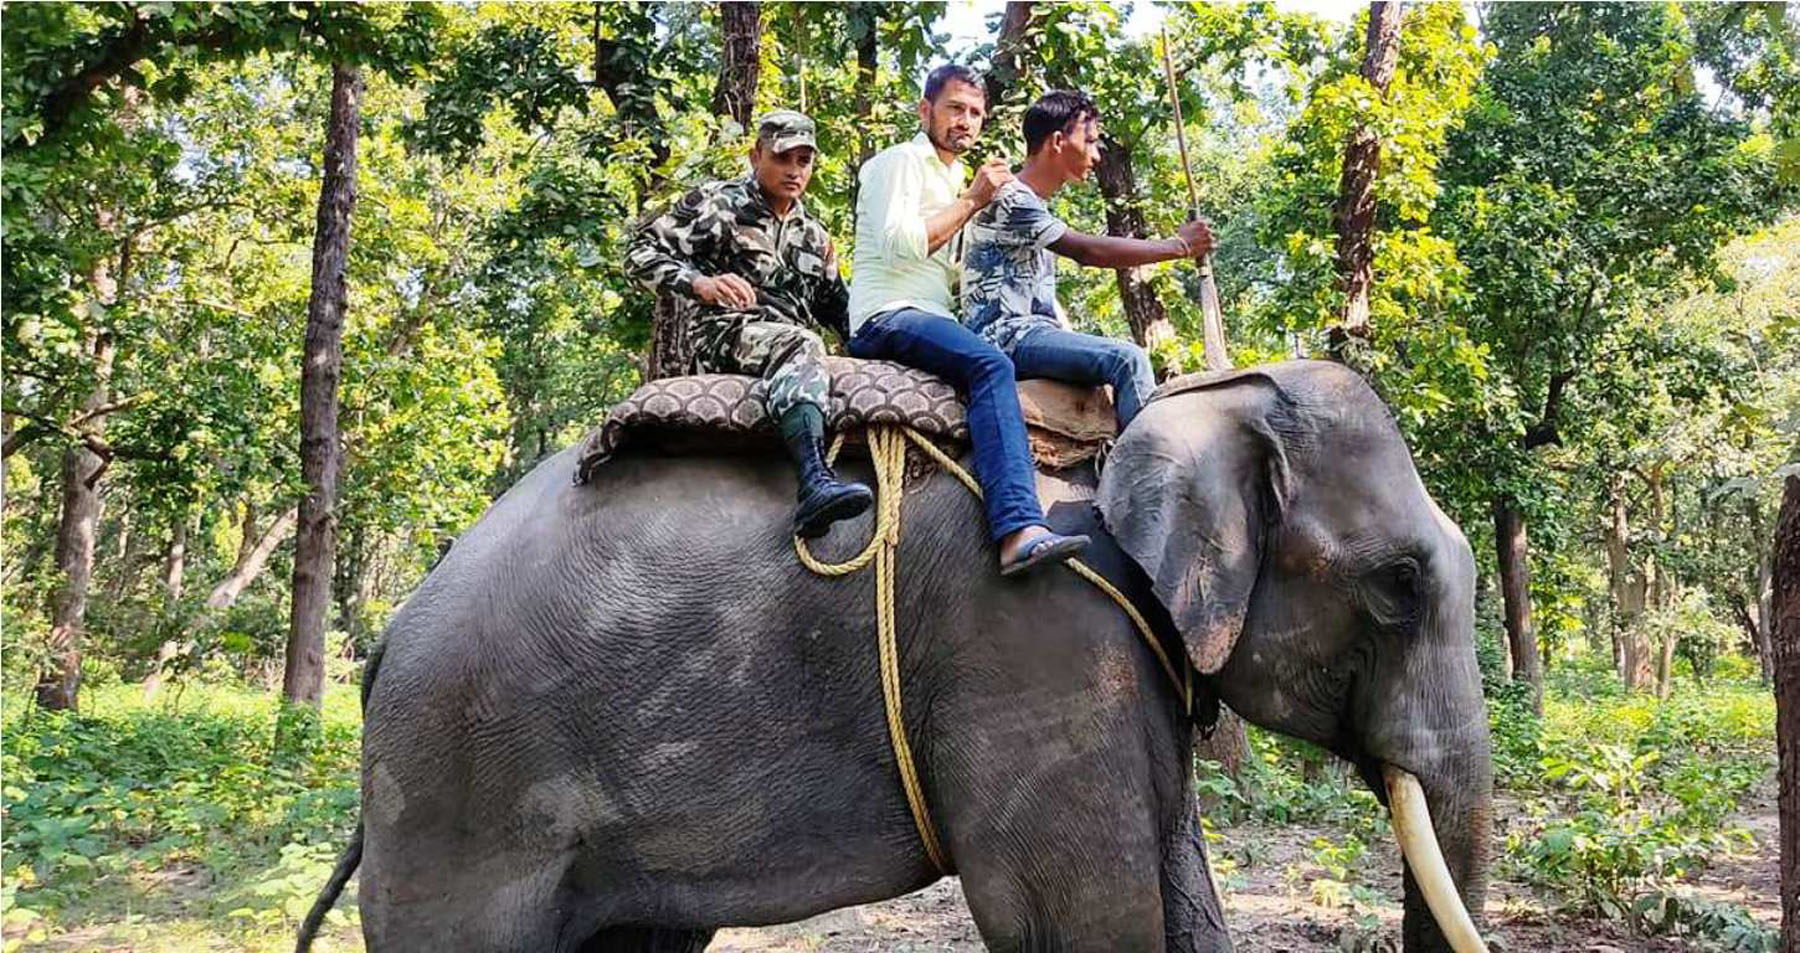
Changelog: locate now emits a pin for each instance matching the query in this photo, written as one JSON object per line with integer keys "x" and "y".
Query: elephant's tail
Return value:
{"x": 346, "y": 866}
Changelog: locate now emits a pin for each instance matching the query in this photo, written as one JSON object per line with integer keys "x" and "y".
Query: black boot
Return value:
{"x": 824, "y": 499}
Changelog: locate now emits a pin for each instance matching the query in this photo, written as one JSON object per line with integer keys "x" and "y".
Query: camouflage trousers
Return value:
{"x": 789, "y": 358}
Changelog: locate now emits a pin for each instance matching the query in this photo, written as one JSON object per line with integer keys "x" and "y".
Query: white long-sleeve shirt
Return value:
{"x": 902, "y": 186}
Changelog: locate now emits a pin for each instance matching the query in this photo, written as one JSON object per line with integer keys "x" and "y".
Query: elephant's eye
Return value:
{"x": 1404, "y": 576}
{"x": 1393, "y": 594}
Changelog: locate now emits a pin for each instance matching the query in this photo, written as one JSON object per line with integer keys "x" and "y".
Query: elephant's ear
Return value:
{"x": 1188, "y": 493}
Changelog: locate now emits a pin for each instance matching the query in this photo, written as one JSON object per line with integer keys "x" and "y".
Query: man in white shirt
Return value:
{"x": 910, "y": 208}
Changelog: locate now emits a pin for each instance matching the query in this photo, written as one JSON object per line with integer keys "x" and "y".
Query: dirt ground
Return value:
{"x": 1277, "y": 900}
{"x": 1273, "y": 906}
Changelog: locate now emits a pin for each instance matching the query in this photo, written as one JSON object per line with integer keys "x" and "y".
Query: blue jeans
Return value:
{"x": 942, "y": 346}
{"x": 1088, "y": 359}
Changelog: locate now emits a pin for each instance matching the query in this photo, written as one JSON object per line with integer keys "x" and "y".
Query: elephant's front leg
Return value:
{"x": 1193, "y": 915}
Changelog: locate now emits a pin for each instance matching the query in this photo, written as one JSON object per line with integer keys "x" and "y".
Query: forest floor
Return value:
{"x": 1282, "y": 895}
{"x": 179, "y": 830}
{"x": 1274, "y": 904}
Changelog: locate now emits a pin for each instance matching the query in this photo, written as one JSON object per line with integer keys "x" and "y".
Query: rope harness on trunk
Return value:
{"x": 887, "y": 448}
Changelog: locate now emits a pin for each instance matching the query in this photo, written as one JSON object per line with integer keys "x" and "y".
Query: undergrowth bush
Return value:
{"x": 1632, "y": 794}
{"x": 1286, "y": 781}
{"x": 96, "y": 800}
{"x": 1723, "y": 926}
{"x": 1621, "y": 797}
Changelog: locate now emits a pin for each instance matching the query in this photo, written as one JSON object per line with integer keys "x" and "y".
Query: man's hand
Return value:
{"x": 727, "y": 291}
{"x": 988, "y": 180}
{"x": 1199, "y": 237}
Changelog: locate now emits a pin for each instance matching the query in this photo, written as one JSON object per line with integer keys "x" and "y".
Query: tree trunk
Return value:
{"x": 347, "y": 585}
{"x": 1484, "y": 594}
{"x": 1786, "y": 570}
{"x": 671, "y": 349}
{"x": 303, "y": 679}
{"x": 1007, "y": 72}
{"x": 868, "y": 61}
{"x": 253, "y": 555}
{"x": 1513, "y": 547}
{"x": 1150, "y": 324}
{"x": 254, "y": 550}
{"x": 128, "y": 552}
{"x": 1229, "y": 746}
{"x": 133, "y": 559}
{"x": 1593, "y": 622}
{"x": 1228, "y": 743}
{"x": 799, "y": 28}
{"x": 1659, "y": 589}
{"x": 174, "y": 577}
{"x": 174, "y": 580}
{"x": 623, "y": 69}
{"x": 1355, "y": 212}
{"x": 60, "y": 687}
{"x": 1745, "y": 616}
{"x": 1665, "y": 658}
{"x": 1765, "y": 615}
{"x": 740, "y": 62}
{"x": 1629, "y": 587}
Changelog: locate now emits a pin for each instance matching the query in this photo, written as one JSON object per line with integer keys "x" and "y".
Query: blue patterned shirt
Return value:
{"x": 1008, "y": 270}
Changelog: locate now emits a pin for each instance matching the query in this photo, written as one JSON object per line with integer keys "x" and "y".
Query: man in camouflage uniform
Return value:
{"x": 763, "y": 277}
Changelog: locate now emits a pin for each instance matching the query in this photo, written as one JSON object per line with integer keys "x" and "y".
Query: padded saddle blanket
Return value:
{"x": 713, "y": 413}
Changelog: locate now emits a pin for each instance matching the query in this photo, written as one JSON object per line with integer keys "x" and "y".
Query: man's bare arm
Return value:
{"x": 1106, "y": 251}
{"x": 939, "y": 227}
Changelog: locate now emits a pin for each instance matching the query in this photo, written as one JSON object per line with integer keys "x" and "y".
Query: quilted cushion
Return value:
{"x": 714, "y": 413}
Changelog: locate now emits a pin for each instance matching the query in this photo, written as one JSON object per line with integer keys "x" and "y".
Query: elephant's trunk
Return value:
{"x": 1444, "y": 835}
{"x": 1437, "y": 729}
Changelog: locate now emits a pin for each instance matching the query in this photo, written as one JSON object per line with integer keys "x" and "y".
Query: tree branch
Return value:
{"x": 124, "y": 403}
{"x": 115, "y": 56}
{"x": 42, "y": 426}
{"x": 1545, "y": 430}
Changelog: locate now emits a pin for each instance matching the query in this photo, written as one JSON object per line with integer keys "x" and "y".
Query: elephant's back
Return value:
{"x": 558, "y": 579}
{"x": 641, "y": 629}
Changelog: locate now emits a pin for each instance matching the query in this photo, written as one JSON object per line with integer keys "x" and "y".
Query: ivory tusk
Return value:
{"x": 1418, "y": 842}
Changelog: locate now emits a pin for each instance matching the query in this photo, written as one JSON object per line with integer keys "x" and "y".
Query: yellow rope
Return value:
{"x": 887, "y": 448}
{"x": 1184, "y": 684}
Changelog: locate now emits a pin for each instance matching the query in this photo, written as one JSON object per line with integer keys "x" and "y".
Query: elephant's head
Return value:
{"x": 1280, "y": 520}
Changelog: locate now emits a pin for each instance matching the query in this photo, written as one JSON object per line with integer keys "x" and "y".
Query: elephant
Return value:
{"x": 620, "y": 715}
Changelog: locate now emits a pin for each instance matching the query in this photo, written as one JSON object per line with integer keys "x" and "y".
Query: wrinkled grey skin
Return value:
{"x": 617, "y": 716}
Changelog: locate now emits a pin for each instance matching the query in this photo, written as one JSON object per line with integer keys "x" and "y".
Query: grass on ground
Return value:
{"x": 209, "y": 820}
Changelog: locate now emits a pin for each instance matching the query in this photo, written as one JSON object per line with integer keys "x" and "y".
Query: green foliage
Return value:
{"x": 97, "y": 802}
{"x": 1621, "y": 835}
{"x": 1632, "y": 795}
{"x": 1340, "y": 884}
{"x": 1582, "y": 271}
{"x": 1516, "y": 732}
{"x": 1723, "y": 926}
{"x": 1583, "y": 181}
{"x": 1286, "y": 781}
{"x": 1423, "y": 361}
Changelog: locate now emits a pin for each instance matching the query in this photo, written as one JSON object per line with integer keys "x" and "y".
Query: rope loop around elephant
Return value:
{"x": 887, "y": 448}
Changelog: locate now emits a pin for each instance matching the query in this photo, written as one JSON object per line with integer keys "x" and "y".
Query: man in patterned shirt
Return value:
{"x": 764, "y": 277}
{"x": 1009, "y": 271}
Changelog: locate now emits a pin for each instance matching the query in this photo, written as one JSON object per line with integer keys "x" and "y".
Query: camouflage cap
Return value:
{"x": 785, "y": 129}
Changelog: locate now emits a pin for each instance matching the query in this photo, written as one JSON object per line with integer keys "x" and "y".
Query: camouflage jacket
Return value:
{"x": 727, "y": 226}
